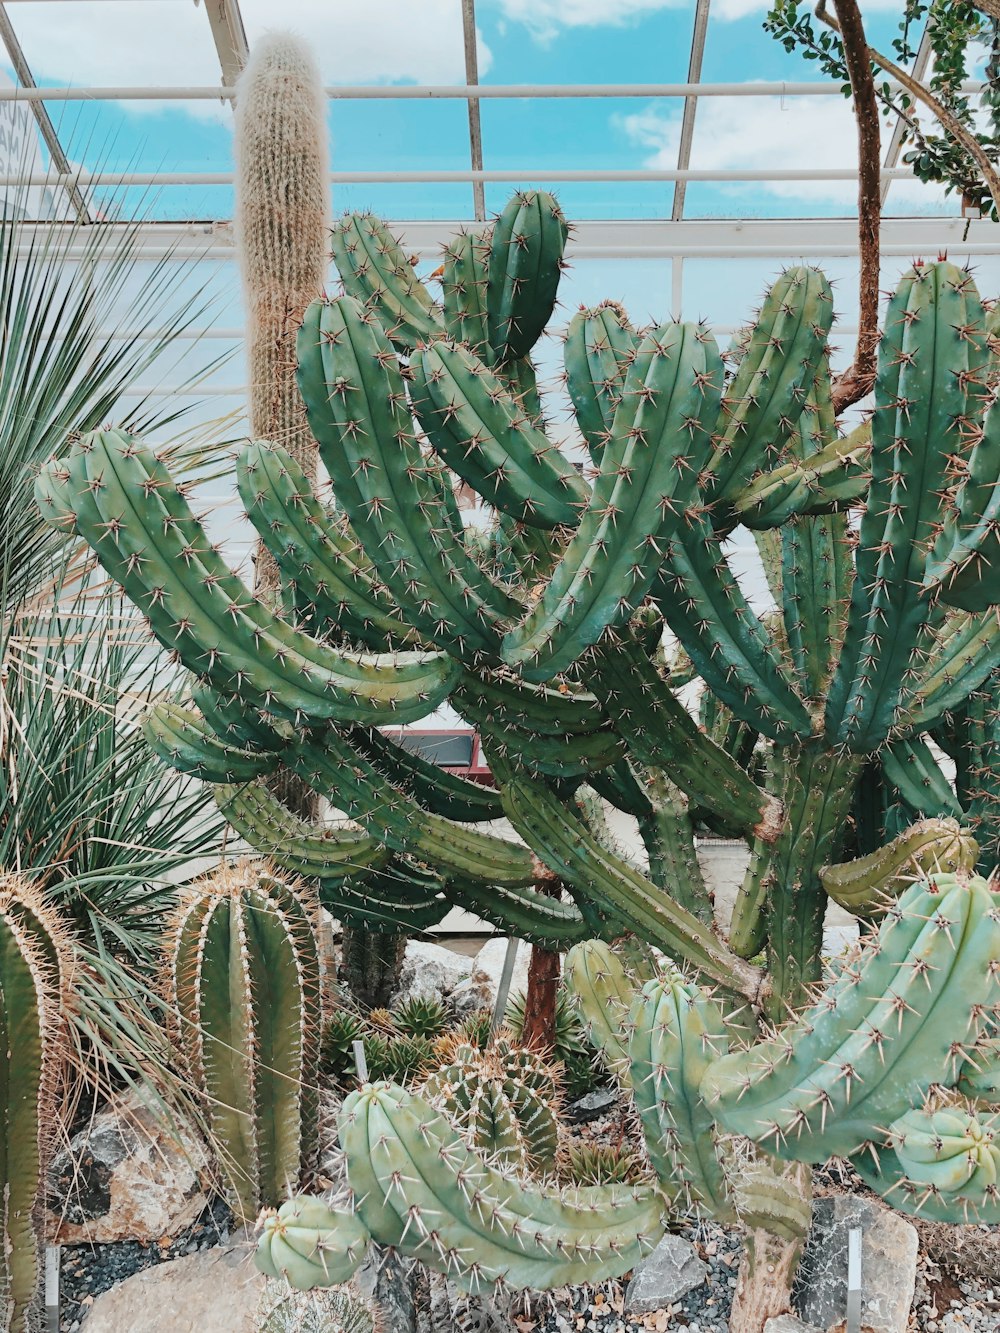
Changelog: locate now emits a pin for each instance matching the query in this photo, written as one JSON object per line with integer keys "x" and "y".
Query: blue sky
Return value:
{"x": 521, "y": 41}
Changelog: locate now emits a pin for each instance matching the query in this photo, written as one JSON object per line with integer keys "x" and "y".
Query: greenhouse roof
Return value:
{"x": 637, "y": 110}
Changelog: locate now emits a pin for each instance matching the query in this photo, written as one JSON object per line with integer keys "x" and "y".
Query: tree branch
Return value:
{"x": 949, "y": 123}
{"x": 856, "y": 382}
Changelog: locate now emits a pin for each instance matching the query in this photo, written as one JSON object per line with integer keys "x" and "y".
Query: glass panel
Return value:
{"x": 439, "y": 747}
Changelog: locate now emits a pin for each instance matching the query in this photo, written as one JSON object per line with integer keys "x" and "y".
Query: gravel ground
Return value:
{"x": 89, "y": 1270}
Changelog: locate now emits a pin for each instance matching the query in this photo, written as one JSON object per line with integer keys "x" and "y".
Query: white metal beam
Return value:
{"x": 460, "y": 92}
{"x": 515, "y": 175}
{"x": 698, "y": 35}
{"x": 617, "y": 239}
{"x": 475, "y": 122}
{"x": 26, "y": 84}
{"x": 230, "y": 37}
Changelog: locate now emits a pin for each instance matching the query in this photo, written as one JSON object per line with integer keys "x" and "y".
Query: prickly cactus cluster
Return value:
{"x": 541, "y": 616}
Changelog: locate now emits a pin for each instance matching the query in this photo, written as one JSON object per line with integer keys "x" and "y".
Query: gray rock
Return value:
{"x": 479, "y": 989}
{"x": 787, "y": 1323}
{"x": 888, "y": 1265}
{"x": 672, "y": 1270}
{"x": 592, "y": 1104}
{"x": 386, "y": 1282}
{"x": 214, "y": 1291}
{"x": 127, "y": 1176}
{"x": 430, "y": 971}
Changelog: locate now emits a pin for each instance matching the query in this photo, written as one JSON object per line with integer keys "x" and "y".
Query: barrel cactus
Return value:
{"x": 243, "y": 978}
{"x": 503, "y": 1097}
{"x": 35, "y": 990}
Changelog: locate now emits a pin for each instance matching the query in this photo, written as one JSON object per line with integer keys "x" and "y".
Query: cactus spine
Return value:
{"x": 243, "y": 976}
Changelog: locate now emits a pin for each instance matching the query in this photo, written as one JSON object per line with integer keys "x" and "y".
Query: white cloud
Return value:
{"x": 161, "y": 42}
{"x": 758, "y": 133}
{"x": 544, "y": 18}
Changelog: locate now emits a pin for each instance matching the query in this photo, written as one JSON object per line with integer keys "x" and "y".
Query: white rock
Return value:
{"x": 127, "y": 1176}
{"x": 214, "y": 1291}
{"x": 888, "y": 1264}
{"x": 672, "y": 1270}
{"x": 479, "y": 990}
{"x": 430, "y": 971}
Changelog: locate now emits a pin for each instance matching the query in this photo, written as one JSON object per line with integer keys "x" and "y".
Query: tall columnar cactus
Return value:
{"x": 544, "y": 634}
{"x": 244, "y": 984}
{"x": 282, "y": 222}
{"x": 35, "y": 987}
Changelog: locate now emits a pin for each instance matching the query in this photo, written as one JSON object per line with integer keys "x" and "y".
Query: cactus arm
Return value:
{"x": 881, "y": 1170}
{"x": 647, "y": 481}
{"x": 817, "y": 790}
{"x": 912, "y": 769}
{"x": 356, "y": 402}
{"x": 357, "y": 879}
{"x": 676, "y": 1033}
{"x": 463, "y": 286}
{"x": 529, "y": 915}
{"x": 326, "y": 566}
{"x": 748, "y": 922}
{"x": 893, "y": 1024}
{"x": 326, "y": 854}
{"x": 934, "y": 320}
{"x": 484, "y": 435}
{"x": 667, "y": 834}
{"x": 867, "y": 885}
{"x": 978, "y": 771}
{"x": 599, "y": 345}
{"x": 602, "y": 992}
{"x": 187, "y": 583}
{"x": 523, "y": 272}
{"x": 572, "y": 755}
{"x": 562, "y": 841}
{"x": 662, "y": 734}
{"x": 835, "y": 477}
{"x": 186, "y": 743}
{"x": 435, "y": 788}
{"x": 816, "y": 563}
{"x": 966, "y": 649}
{"x": 778, "y": 363}
{"x": 816, "y": 580}
{"x": 964, "y": 566}
{"x": 376, "y": 271}
{"x": 354, "y": 784}
{"x": 238, "y": 723}
{"x": 418, "y": 1187}
{"x": 310, "y": 1244}
{"x": 731, "y": 651}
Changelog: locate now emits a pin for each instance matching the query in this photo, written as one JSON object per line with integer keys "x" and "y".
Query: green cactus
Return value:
{"x": 602, "y": 990}
{"x": 310, "y": 1244}
{"x": 486, "y": 1226}
{"x": 814, "y": 736}
{"x": 898, "y": 1019}
{"x": 677, "y": 1034}
{"x": 421, "y": 1016}
{"x": 867, "y": 885}
{"x": 243, "y": 979}
{"x": 503, "y": 1097}
{"x": 35, "y": 991}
